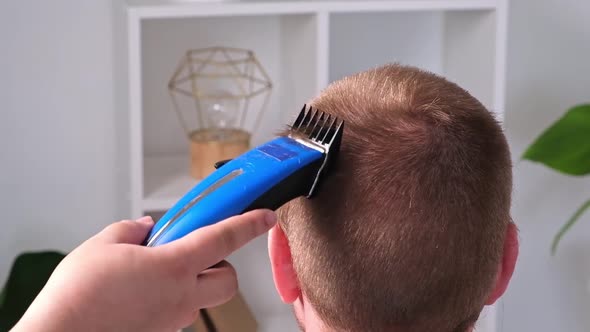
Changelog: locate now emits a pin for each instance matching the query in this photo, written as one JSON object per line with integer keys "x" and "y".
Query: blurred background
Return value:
{"x": 83, "y": 129}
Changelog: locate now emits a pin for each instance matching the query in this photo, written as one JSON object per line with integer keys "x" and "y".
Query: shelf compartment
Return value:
{"x": 284, "y": 45}
{"x": 460, "y": 45}
{"x": 379, "y": 38}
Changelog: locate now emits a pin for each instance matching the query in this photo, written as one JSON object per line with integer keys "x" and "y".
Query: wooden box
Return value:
{"x": 232, "y": 316}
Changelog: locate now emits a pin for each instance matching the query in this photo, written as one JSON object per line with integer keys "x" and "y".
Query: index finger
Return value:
{"x": 210, "y": 245}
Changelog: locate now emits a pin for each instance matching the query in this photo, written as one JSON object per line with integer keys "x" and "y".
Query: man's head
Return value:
{"x": 412, "y": 231}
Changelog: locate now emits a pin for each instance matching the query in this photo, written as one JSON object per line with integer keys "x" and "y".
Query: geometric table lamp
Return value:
{"x": 219, "y": 95}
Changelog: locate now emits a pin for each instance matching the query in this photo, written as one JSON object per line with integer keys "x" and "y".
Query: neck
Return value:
{"x": 309, "y": 320}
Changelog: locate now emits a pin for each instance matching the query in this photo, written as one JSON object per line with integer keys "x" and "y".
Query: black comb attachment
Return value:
{"x": 317, "y": 126}
{"x": 323, "y": 130}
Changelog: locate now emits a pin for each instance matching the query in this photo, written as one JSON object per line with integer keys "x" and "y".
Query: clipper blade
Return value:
{"x": 322, "y": 130}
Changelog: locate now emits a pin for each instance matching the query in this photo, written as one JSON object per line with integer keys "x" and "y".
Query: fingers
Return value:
{"x": 210, "y": 245}
{"x": 216, "y": 285}
{"x": 127, "y": 231}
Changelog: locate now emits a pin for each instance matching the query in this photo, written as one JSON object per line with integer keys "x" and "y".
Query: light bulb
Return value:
{"x": 221, "y": 110}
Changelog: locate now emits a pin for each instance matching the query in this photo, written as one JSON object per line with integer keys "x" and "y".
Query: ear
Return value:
{"x": 282, "y": 265}
{"x": 507, "y": 264}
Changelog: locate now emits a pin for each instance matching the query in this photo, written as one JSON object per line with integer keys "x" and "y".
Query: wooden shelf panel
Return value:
{"x": 151, "y": 9}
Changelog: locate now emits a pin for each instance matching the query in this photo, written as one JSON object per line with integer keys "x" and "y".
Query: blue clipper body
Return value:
{"x": 267, "y": 176}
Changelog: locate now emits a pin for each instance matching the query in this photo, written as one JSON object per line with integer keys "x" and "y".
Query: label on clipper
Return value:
{"x": 277, "y": 151}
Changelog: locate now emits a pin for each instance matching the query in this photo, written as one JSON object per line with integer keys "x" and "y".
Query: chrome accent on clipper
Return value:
{"x": 225, "y": 179}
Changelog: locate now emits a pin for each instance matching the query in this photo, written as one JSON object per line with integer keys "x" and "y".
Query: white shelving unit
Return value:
{"x": 303, "y": 45}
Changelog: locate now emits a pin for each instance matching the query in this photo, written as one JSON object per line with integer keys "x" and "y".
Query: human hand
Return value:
{"x": 110, "y": 283}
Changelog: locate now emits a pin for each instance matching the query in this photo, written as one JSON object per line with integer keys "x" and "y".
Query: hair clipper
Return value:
{"x": 267, "y": 176}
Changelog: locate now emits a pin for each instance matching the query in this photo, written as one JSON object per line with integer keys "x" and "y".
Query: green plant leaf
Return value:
{"x": 568, "y": 225}
{"x": 565, "y": 146}
{"x": 28, "y": 275}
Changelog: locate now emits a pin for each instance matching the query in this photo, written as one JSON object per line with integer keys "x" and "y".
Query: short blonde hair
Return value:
{"x": 408, "y": 232}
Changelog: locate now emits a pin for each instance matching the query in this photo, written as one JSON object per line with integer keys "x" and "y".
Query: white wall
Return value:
{"x": 56, "y": 124}
{"x": 58, "y": 171}
{"x": 548, "y": 71}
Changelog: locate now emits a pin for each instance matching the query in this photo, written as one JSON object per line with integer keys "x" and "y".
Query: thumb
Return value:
{"x": 127, "y": 231}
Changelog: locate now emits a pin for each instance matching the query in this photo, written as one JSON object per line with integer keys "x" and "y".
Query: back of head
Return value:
{"x": 407, "y": 232}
